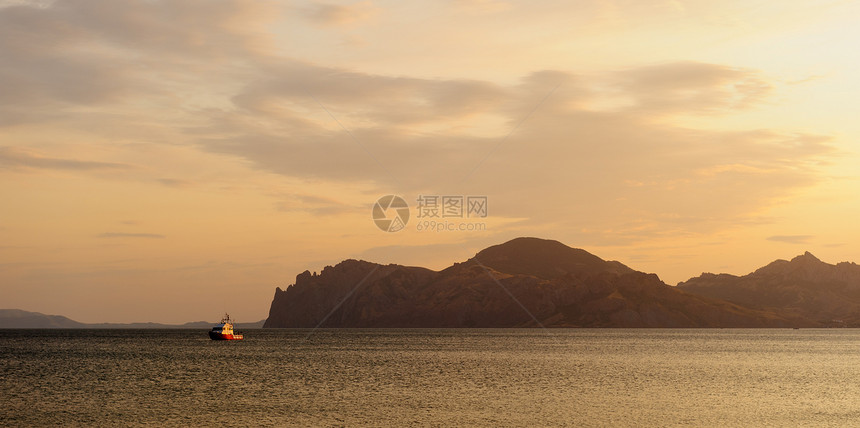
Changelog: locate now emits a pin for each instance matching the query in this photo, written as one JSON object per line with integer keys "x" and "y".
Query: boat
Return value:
{"x": 224, "y": 330}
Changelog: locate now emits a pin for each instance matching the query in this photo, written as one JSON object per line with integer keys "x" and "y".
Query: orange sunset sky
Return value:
{"x": 167, "y": 160}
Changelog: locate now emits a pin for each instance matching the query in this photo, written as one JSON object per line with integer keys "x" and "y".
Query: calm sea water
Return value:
{"x": 431, "y": 378}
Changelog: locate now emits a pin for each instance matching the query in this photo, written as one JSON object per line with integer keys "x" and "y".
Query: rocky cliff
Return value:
{"x": 526, "y": 282}
{"x": 826, "y": 294}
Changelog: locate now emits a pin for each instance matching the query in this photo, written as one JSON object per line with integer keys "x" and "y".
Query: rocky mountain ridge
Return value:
{"x": 525, "y": 282}
{"x": 824, "y": 293}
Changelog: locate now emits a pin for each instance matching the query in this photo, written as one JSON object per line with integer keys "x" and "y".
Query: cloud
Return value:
{"x": 316, "y": 205}
{"x": 483, "y": 6}
{"x": 131, "y": 235}
{"x": 86, "y": 52}
{"x": 691, "y": 87}
{"x": 791, "y": 239}
{"x": 333, "y": 15}
{"x": 174, "y": 182}
{"x": 202, "y": 27}
{"x": 598, "y": 155}
{"x": 567, "y": 166}
{"x": 282, "y": 89}
{"x": 14, "y": 158}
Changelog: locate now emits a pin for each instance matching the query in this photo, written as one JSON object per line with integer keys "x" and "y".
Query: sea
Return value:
{"x": 434, "y": 378}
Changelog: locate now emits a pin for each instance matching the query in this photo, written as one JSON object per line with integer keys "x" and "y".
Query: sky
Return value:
{"x": 170, "y": 160}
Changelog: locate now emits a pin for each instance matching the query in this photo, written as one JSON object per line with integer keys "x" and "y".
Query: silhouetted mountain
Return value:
{"x": 805, "y": 286}
{"x": 16, "y": 318}
{"x": 525, "y": 282}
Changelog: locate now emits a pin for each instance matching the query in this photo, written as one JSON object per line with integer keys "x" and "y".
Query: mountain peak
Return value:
{"x": 802, "y": 262}
{"x": 809, "y": 287}
{"x": 529, "y": 243}
{"x": 544, "y": 258}
{"x": 806, "y": 257}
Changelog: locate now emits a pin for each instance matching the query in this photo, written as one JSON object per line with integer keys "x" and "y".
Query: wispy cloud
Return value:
{"x": 131, "y": 235}
{"x": 40, "y": 79}
{"x": 14, "y": 158}
{"x": 571, "y": 161}
{"x": 570, "y": 165}
{"x": 174, "y": 182}
{"x": 330, "y": 15}
{"x": 791, "y": 239}
{"x": 691, "y": 87}
{"x": 315, "y": 204}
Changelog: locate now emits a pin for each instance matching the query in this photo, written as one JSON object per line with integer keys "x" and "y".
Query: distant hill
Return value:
{"x": 16, "y": 318}
{"x": 525, "y": 282}
{"x": 804, "y": 286}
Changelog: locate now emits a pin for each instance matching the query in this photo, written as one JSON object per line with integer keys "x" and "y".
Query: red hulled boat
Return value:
{"x": 224, "y": 331}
